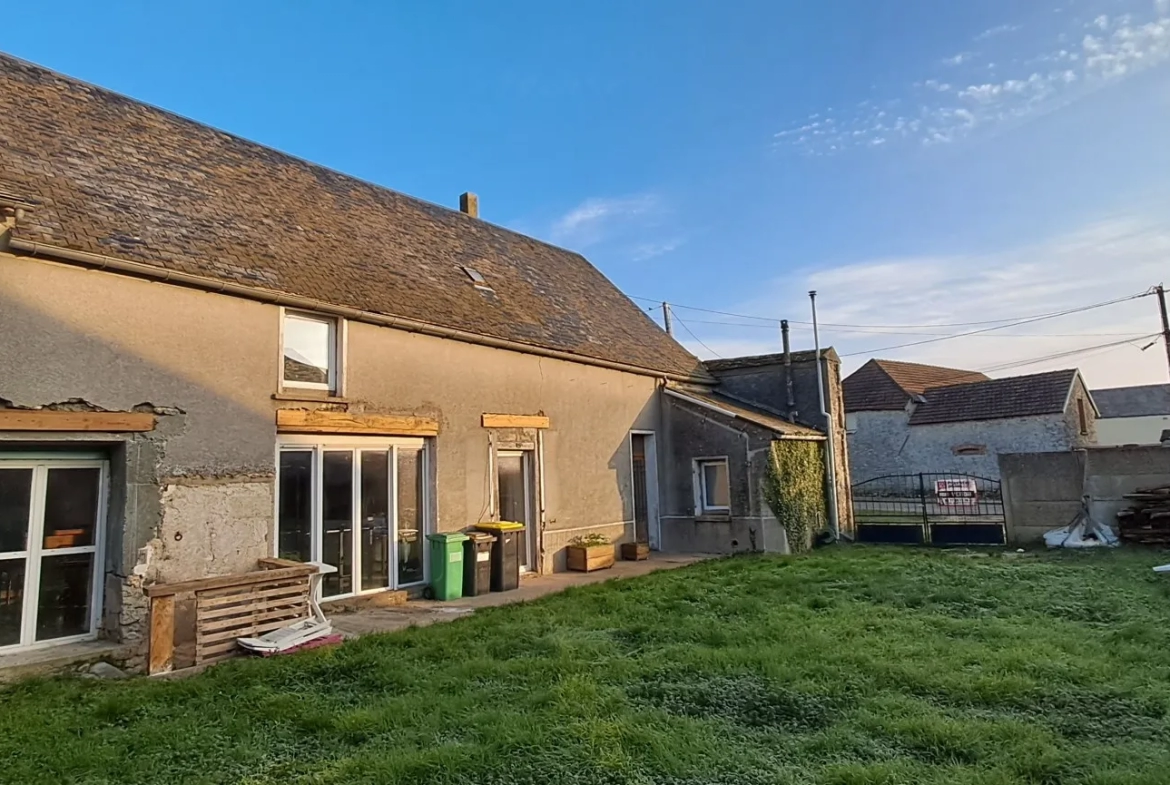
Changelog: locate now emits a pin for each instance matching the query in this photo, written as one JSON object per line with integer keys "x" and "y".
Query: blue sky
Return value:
{"x": 919, "y": 163}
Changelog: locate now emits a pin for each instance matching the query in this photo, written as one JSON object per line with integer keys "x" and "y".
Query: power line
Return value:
{"x": 1069, "y": 353}
{"x": 697, "y": 338}
{"x": 1000, "y": 327}
{"x": 770, "y": 320}
{"x": 937, "y": 335}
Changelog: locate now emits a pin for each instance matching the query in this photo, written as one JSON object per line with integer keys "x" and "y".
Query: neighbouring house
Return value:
{"x": 785, "y": 385}
{"x": 1132, "y": 415}
{"x": 215, "y": 354}
{"x": 907, "y": 418}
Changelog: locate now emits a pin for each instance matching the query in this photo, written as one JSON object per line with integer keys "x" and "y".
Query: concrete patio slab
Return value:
{"x": 420, "y": 613}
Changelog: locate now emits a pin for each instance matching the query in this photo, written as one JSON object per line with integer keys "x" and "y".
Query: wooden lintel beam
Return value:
{"x": 48, "y": 420}
{"x": 303, "y": 421}
{"x": 229, "y": 581}
{"x": 515, "y": 421}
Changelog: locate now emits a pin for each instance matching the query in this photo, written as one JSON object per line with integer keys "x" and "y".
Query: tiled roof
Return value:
{"x": 1149, "y": 400}
{"x": 996, "y": 399}
{"x": 111, "y": 176}
{"x": 885, "y": 385}
{"x": 758, "y": 360}
{"x": 746, "y": 412}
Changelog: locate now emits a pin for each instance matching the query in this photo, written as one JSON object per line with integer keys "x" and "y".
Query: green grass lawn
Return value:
{"x": 849, "y": 666}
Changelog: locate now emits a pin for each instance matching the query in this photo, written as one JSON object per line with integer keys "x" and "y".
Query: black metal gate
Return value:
{"x": 938, "y": 509}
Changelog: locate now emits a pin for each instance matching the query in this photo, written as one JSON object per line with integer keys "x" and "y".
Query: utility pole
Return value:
{"x": 1161, "y": 292}
{"x": 667, "y": 320}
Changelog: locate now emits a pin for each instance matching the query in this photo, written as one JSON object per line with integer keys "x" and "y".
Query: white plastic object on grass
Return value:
{"x": 314, "y": 626}
{"x": 1162, "y": 568}
{"x": 1083, "y": 532}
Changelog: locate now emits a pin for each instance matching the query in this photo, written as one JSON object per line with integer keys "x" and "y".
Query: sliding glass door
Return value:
{"x": 360, "y": 507}
{"x": 51, "y": 526}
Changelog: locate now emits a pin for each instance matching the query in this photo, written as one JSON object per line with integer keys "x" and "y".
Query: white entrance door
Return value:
{"x": 514, "y": 475}
{"x": 51, "y": 527}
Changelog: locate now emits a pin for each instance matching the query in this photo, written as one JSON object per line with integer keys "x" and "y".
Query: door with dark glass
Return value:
{"x": 337, "y": 530}
{"x": 409, "y": 505}
{"x": 514, "y": 477}
{"x": 50, "y": 533}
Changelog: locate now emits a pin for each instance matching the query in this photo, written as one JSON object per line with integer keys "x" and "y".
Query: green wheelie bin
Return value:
{"x": 447, "y": 564}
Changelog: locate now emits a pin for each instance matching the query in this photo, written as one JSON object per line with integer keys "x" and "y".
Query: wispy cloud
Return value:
{"x": 998, "y": 30}
{"x": 595, "y": 219}
{"x": 644, "y": 251}
{"x": 1058, "y": 273}
{"x": 939, "y": 111}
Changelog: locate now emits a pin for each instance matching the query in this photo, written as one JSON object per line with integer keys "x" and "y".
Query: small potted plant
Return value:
{"x": 590, "y": 552}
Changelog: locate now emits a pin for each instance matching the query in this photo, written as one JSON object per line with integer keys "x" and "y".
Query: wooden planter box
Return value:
{"x": 635, "y": 551}
{"x": 588, "y": 559}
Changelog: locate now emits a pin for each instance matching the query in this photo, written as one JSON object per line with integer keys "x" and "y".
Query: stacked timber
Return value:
{"x": 1147, "y": 521}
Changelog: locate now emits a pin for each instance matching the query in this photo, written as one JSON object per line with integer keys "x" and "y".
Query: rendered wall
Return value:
{"x": 195, "y": 497}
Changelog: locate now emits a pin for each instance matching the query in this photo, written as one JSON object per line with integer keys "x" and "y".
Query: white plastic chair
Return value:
{"x": 314, "y": 626}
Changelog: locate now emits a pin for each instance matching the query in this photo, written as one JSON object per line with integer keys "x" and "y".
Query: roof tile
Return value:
{"x": 996, "y": 399}
{"x": 119, "y": 178}
{"x": 887, "y": 385}
{"x": 1148, "y": 400}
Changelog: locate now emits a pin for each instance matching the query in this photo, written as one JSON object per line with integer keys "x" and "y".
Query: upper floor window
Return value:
{"x": 310, "y": 355}
{"x": 1082, "y": 416}
{"x": 714, "y": 485}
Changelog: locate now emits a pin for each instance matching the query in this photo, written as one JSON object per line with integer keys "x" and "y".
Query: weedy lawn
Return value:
{"x": 847, "y": 666}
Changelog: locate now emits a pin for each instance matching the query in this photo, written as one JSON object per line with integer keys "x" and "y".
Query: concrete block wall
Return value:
{"x": 1115, "y": 471}
{"x": 1043, "y": 491}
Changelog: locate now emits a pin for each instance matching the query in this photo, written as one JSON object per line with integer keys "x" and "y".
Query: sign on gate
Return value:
{"x": 956, "y": 492}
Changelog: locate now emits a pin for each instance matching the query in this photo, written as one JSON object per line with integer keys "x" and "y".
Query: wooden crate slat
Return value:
{"x": 250, "y": 603}
{"x": 219, "y": 651}
{"x": 216, "y": 646}
{"x": 200, "y": 585}
{"x": 233, "y": 591}
{"x": 207, "y": 603}
{"x": 222, "y": 612}
{"x": 290, "y": 610}
{"x": 251, "y": 631}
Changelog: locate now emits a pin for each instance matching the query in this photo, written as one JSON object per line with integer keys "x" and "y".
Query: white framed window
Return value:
{"x": 362, "y": 505}
{"x": 712, "y": 485}
{"x": 310, "y": 351}
{"x": 52, "y": 526}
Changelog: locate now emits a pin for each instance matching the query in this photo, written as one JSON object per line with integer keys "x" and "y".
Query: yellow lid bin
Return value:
{"x": 505, "y": 553}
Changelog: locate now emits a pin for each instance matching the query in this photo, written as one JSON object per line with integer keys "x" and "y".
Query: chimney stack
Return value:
{"x": 469, "y": 203}
{"x": 791, "y": 409}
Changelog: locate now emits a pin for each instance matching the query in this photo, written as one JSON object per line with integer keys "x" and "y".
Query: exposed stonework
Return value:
{"x": 883, "y": 443}
{"x": 213, "y": 526}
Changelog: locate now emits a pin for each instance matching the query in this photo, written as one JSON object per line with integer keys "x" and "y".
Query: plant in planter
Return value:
{"x": 590, "y": 552}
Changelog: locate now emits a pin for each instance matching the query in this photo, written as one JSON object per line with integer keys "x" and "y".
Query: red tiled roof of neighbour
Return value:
{"x": 997, "y": 399}
{"x": 108, "y": 175}
{"x": 887, "y": 385}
